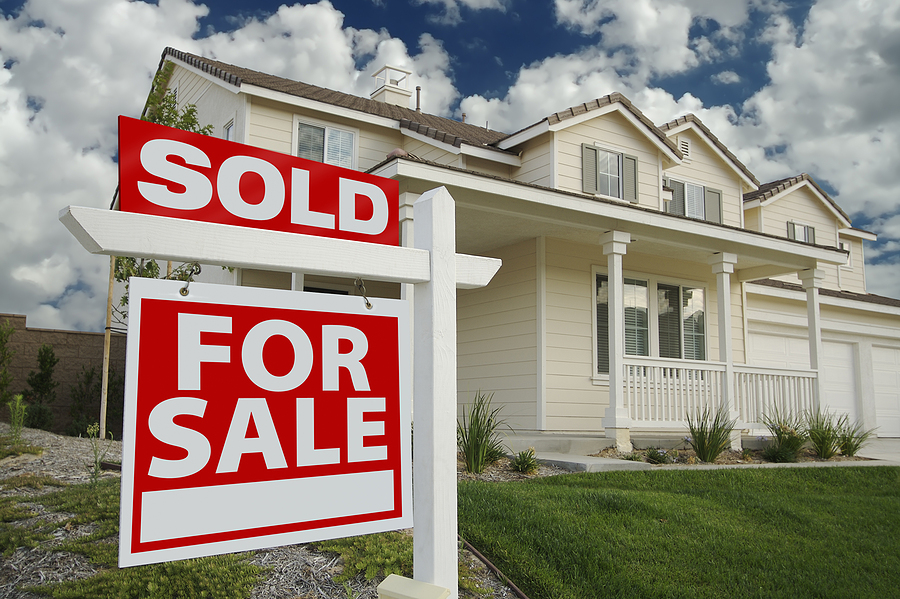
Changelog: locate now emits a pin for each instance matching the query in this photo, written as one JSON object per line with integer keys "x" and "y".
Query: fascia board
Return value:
{"x": 211, "y": 78}
{"x": 465, "y": 149}
{"x": 752, "y": 204}
{"x": 858, "y": 234}
{"x": 815, "y": 192}
{"x": 524, "y": 135}
{"x": 666, "y": 150}
{"x": 347, "y": 113}
{"x": 838, "y": 302}
{"x": 399, "y": 169}
{"x": 716, "y": 150}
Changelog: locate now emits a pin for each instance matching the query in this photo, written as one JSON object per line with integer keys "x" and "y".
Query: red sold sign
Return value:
{"x": 257, "y": 417}
{"x": 169, "y": 172}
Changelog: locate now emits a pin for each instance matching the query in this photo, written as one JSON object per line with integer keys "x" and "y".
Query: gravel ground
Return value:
{"x": 295, "y": 571}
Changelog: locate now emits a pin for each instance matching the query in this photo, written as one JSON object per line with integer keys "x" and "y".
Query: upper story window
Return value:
{"x": 228, "y": 131}
{"x": 694, "y": 201}
{"x": 325, "y": 144}
{"x": 846, "y": 247}
{"x": 672, "y": 327}
{"x": 609, "y": 173}
{"x": 801, "y": 232}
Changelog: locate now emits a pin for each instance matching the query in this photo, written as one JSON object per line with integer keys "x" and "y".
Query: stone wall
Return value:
{"x": 74, "y": 349}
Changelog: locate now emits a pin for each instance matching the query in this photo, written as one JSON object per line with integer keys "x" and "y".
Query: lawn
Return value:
{"x": 787, "y": 532}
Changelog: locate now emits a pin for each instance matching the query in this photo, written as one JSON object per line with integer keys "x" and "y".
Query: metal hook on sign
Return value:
{"x": 361, "y": 287}
{"x": 193, "y": 270}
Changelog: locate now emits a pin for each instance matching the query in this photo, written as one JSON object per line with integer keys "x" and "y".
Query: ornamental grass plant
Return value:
{"x": 710, "y": 433}
{"x": 824, "y": 431}
{"x": 477, "y": 436}
{"x": 851, "y": 437}
{"x": 788, "y": 436}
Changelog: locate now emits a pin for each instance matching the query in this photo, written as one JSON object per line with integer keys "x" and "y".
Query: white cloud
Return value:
{"x": 726, "y": 77}
{"x": 882, "y": 278}
{"x": 452, "y": 13}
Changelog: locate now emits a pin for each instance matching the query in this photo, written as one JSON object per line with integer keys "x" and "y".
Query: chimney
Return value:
{"x": 392, "y": 86}
{"x": 418, "y": 98}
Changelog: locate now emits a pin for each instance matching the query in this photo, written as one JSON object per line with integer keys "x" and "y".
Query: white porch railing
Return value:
{"x": 659, "y": 393}
{"x": 762, "y": 391}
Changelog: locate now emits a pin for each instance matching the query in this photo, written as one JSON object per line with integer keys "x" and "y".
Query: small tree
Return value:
{"x": 42, "y": 390}
{"x": 6, "y": 356}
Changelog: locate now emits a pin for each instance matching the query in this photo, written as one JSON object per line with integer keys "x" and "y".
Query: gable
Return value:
{"x": 800, "y": 204}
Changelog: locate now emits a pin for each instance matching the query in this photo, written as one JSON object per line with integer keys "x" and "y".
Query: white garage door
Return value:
{"x": 886, "y": 364}
{"x": 838, "y": 367}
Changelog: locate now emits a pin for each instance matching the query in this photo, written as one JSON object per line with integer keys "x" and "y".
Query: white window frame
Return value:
{"x": 295, "y": 136}
{"x": 800, "y": 225}
{"x": 653, "y": 316}
{"x": 846, "y": 245}
{"x": 228, "y": 128}
{"x": 619, "y": 162}
{"x": 620, "y": 155}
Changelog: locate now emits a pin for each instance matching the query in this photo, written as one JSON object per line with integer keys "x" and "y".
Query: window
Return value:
{"x": 325, "y": 144}
{"x": 228, "y": 131}
{"x": 675, "y": 327}
{"x": 846, "y": 247}
{"x": 608, "y": 173}
{"x": 801, "y": 232}
{"x": 694, "y": 201}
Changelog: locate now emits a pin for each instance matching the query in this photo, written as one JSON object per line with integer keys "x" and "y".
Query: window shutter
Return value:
{"x": 589, "y": 169}
{"x": 629, "y": 178}
{"x": 676, "y": 206}
{"x": 713, "y": 199}
{"x": 810, "y": 235}
{"x": 791, "y": 231}
{"x": 602, "y": 292}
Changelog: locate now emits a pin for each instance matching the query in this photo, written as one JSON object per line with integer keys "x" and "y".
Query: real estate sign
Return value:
{"x": 258, "y": 417}
{"x": 178, "y": 174}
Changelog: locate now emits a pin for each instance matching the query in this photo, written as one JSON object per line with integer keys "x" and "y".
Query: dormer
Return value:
{"x": 392, "y": 86}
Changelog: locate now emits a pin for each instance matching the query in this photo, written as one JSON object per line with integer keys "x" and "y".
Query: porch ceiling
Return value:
{"x": 493, "y": 213}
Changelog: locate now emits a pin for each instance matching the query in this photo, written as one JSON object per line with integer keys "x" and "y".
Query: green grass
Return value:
{"x": 791, "y": 533}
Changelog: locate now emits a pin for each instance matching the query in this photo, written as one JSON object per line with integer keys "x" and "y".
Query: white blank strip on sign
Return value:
{"x": 181, "y": 513}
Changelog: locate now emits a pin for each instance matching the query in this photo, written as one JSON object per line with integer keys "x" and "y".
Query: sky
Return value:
{"x": 790, "y": 87}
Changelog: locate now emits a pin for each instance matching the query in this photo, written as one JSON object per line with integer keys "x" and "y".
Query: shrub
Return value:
{"x": 823, "y": 430}
{"x": 788, "y": 437}
{"x": 42, "y": 390}
{"x": 6, "y": 356}
{"x": 16, "y": 419}
{"x": 476, "y": 434}
{"x": 852, "y": 437}
{"x": 710, "y": 434}
{"x": 525, "y": 461}
{"x": 657, "y": 456}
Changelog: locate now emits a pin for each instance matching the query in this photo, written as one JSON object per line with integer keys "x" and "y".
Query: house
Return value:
{"x": 646, "y": 271}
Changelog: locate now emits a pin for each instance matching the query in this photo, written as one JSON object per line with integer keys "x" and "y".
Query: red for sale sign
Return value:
{"x": 177, "y": 174}
{"x": 257, "y": 417}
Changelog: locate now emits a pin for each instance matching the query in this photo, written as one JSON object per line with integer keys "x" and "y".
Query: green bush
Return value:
{"x": 41, "y": 390}
{"x": 852, "y": 437}
{"x": 788, "y": 437}
{"x": 525, "y": 461}
{"x": 17, "y": 412}
{"x": 655, "y": 455}
{"x": 6, "y": 356}
{"x": 710, "y": 433}
{"x": 824, "y": 430}
{"x": 477, "y": 436}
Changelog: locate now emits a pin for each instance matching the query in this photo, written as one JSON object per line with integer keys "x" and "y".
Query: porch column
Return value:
{"x": 723, "y": 266}
{"x": 616, "y": 420}
{"x": 812, "y": 281}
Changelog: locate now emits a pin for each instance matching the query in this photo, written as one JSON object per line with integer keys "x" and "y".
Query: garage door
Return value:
{"x": 838, "y": 367}
{"x": 886, "y": 364}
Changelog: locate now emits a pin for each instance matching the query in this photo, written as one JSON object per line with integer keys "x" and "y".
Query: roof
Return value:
{"x": 690, "y": 118}
{"x": 849, "y": 295}
{"x": 436, "y": 127}
{"x": 608, "y": 100}
{"x": 770, "y": 190}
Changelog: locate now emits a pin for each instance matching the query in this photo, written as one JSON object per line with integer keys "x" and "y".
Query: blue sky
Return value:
{"x": 789, "y": 87}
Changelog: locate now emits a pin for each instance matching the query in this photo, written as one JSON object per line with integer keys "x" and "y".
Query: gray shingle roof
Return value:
{"x": 769, "y": 190}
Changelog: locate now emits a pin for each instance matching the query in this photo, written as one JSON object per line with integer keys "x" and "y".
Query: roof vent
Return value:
{"x": 684, "y": 145}
{"x": 392, "y": 86}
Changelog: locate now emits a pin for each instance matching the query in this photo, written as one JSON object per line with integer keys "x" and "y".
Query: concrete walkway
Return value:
{"x": 880, "y": 452}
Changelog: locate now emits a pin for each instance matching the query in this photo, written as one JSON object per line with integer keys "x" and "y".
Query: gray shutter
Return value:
{"x": 629, "y": 178}
{"x": 713, "y": 199}
{"x": 791, "y": 233}
{"x": 589, "y": 169}
{"x": 676, "y": 206}
{"x": 810, "y": 234}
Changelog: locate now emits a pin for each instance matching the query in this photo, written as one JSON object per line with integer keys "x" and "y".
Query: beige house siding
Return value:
{"x": 537, "y": 159}
{"x": 488, "y": 167}
{"x": 271, "y": 126}
{"x": 614, "y": 132}
{"x": 427, "y": 151}
{"x": 853, "y": 276}
{"x": 375, "y": 143}
{"x": 704, "y": 167}
{"x": 497, "y": 337}
{"x": 217, "y": 108}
